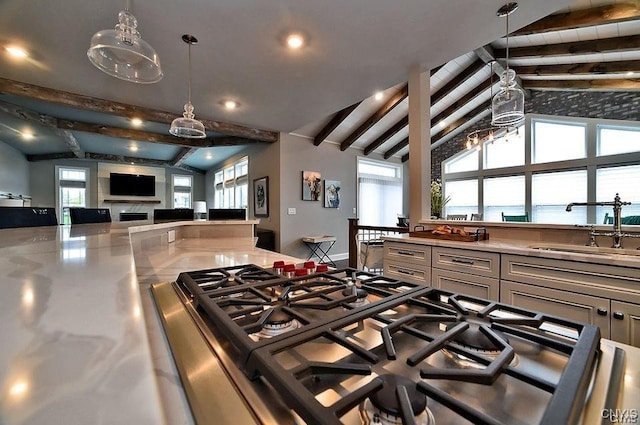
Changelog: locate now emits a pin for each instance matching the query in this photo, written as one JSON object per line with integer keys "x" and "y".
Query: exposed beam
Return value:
{"x": 460, "y": 121}
{"x": 396, "y": 148}
{"x": 592, "y": 85}
{"x": 405, "y": 157}
{"x": 335, "y": 121}
{"x": 377, "y": 116}
{"x": 72, "y": 143}
{"x": 615, "y": 44}
{"x": 608, "y": 14}
{"x": 488, "y": 56}
{"x": 456, "y": 81}
{"x": 477, "y": 91}
{"x": 387, "y": 135}
{"x": 182, "y": 156}
{"x": 51, "y": 156}
{"x": 17, "y": 88}
{"x": 133, "y": 160}
{"x": 619, "y": 67}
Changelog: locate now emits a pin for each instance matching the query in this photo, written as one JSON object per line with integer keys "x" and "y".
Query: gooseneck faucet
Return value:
{"x": 617, "y": 217}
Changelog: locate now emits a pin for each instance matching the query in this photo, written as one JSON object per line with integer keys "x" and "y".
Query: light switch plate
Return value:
{"x": 291, "y": 211}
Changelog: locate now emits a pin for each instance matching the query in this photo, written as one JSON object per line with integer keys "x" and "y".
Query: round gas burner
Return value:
{"x": 383, "y": 407}
{"x": 361, "y": 296}
{"x": 277, "y": 323}
{"x": 475, "y": 341}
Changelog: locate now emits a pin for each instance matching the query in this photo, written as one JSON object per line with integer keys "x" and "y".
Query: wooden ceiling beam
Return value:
{"x": 184, "y": 153}
{"x": 335, "y": 121}
{"x": 405, "y": 157}
{"x": 614, "y": 44}
{"x": 142, "y": 161}
{"x": 629, "y": 84}
{"x": 397, "y": 148}
{"x": 460, "y": 121}
{"x": 17, "y": 88}
{"x": 387, "y": 135}
{"x": 72, "y": 143}
{"x": 377, "y": 116}
{"x": 51, "y": 156}
{"x": 601, "y": 15}
{"x": 456, "y": 81}
{"x": 477, "y": 91}
{"x": 619, "y": 67}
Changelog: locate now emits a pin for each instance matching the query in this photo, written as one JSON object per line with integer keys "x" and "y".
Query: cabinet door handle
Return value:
{"x": 462, "y": 261}
{"x": 618, "y": 315}
{"x": 406, "y": 253}
{"x": 602, "y": 311}
{"x": 409, "y": 272}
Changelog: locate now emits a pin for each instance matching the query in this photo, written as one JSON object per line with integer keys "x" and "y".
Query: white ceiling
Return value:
{"x": 355, "y": 48}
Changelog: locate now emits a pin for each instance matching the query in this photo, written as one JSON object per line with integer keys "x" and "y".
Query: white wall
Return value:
{"x": 14, "y": 171}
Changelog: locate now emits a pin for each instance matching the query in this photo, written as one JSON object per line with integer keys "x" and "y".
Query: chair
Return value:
{"x": 521, "y": 218}
{"x": 460, "y": 217}
{"x": 172, "y": 214}
{"x": 476, "y": 217}
{"x": 607, "y": 219}
{"x": 227, "y": 214}
{"x": 89, "y": 215}
{"x": 12, "y": 217}
{"x": 631, "y": 220}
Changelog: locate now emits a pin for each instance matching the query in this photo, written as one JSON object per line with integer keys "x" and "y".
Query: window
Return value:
{"x": 623, "y": 181}
{"x": 232, "y": 185}
{"x": 71, "y": 190}
{"x": 505, "y": 152}
{"x": 551, "y": 192}
{"x": 463, "y": 196}
{"x": 379, "y": 193}
{"x": 555, "y": 141}
{"x": 503, "y": 195}
{"x": 464, "y": 161}
{"x": 182, "y": 192}
{"x": 613, "y": 141}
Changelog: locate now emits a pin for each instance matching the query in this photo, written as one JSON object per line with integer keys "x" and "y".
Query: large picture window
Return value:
{"x": 379, "y": 193}
{"x": 558, "y": 161}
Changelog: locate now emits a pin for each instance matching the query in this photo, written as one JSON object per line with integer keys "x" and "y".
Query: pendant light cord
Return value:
{"x": 189, "y": 72}
{"x": 507, "y": 60}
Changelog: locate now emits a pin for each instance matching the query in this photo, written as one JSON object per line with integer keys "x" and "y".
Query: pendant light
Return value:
{"x": 507, "y": 106}
{"x": 187, "y": 126}
{"x": 123, "y": 54}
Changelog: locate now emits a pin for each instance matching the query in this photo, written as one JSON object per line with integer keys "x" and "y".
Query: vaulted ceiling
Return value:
{"x": 75, "y": 111}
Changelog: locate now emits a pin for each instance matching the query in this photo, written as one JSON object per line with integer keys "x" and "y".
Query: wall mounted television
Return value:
{"x": 132, "y": 185}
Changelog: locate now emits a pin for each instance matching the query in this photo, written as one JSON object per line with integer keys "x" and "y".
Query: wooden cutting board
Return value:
{"x": 480, "y": 235}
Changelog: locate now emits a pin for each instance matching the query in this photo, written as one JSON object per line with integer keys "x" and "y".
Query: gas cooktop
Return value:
{"x": 351, "y": 347}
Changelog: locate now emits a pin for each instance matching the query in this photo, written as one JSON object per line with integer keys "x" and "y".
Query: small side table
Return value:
{"x": 314, "y": 243}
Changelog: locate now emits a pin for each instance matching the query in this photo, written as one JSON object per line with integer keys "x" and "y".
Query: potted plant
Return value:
{"x": 438, "y": 201}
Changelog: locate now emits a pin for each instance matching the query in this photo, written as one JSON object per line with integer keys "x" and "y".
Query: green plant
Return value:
{"x": 438, "y": 201}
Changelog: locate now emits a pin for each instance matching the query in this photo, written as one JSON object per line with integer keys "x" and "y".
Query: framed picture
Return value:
{"x": 311, "y": 185}
{"x": 261, "y": 197}
{"x": 332, "y": 194}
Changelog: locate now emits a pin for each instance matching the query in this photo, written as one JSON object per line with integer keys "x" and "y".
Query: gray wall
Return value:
{"x": 14, "y": 171}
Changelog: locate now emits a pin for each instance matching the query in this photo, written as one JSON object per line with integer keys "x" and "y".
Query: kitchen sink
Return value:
{"x": 592, "y": 250}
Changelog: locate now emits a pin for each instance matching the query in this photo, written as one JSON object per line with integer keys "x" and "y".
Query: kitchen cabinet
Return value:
{"x": 408, "y": 262}
{"x": 604, "y": 295}
{"x": 468, "y": 272}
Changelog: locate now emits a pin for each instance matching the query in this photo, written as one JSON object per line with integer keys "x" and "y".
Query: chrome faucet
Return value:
{"x": 617, "y": 204}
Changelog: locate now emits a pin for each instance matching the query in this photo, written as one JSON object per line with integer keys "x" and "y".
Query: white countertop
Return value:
{"x": 81, "y": 342}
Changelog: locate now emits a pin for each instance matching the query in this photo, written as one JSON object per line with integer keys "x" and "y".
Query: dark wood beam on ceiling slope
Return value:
{"x": 614, "y": 44}
{"x": 405, "y": 157}
{"x": 182, "y": 156}
{"x": 335, "y": 121}
{"x": 143, "y": 161}
{"x": 377, "y": 116}
{"x": 396, "y": 148}
{"x": 17, "y": 88}
{"x": 601, "y": 15}
{"x": 457, "y": 80}
{"x": 578, "y": 85}
{"x": 460, "y": 121}
{"x": 619, "y": 67}
{"x": 51, "y": 156}
{"x": 387, "y": 135}
{"x": 146, "y": 136}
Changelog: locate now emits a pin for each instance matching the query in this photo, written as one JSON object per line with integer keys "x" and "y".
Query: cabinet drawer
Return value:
{"x": 467, "y": 284}
{"x": 407, "y": 252}
{"x": 408, "y": 272}
{"x": 578, "y": 307}
{"x": 625, "y": 323}
{"x": 467, "y": 261}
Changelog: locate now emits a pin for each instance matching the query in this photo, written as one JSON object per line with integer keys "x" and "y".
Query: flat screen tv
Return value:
{"x": 132, "y": 185}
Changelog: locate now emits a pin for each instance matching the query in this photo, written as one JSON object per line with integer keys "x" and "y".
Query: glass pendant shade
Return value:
{"x": 123, "y": 54}
{"x": 507, "y": 106}
{"x": 186, "y": 126}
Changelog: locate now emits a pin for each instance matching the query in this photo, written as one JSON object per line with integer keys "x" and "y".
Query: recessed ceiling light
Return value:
{"x": 17, "y": 52}
{"x": 209, "y": 156}
{"x": 230, "y": 104}
{"x": 133, "y": 148}
{"x": 27, "y": 135}
{"x": 378, "y": 95}
{"x": 295, "y": 41}
{"x": 136, "y": 122}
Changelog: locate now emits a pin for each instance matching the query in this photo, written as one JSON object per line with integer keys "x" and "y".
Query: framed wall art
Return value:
{"x": 311, "y": 185}
{"x": 332, "y": 194}
{"x": 261, "y": 197}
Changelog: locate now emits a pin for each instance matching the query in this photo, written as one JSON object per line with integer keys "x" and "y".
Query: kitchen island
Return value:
{"x": 81, "y": 338}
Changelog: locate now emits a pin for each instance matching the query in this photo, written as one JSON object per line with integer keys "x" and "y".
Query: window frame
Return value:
{"x": 181, "y": 189}
{"x": 87, "y": 188}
